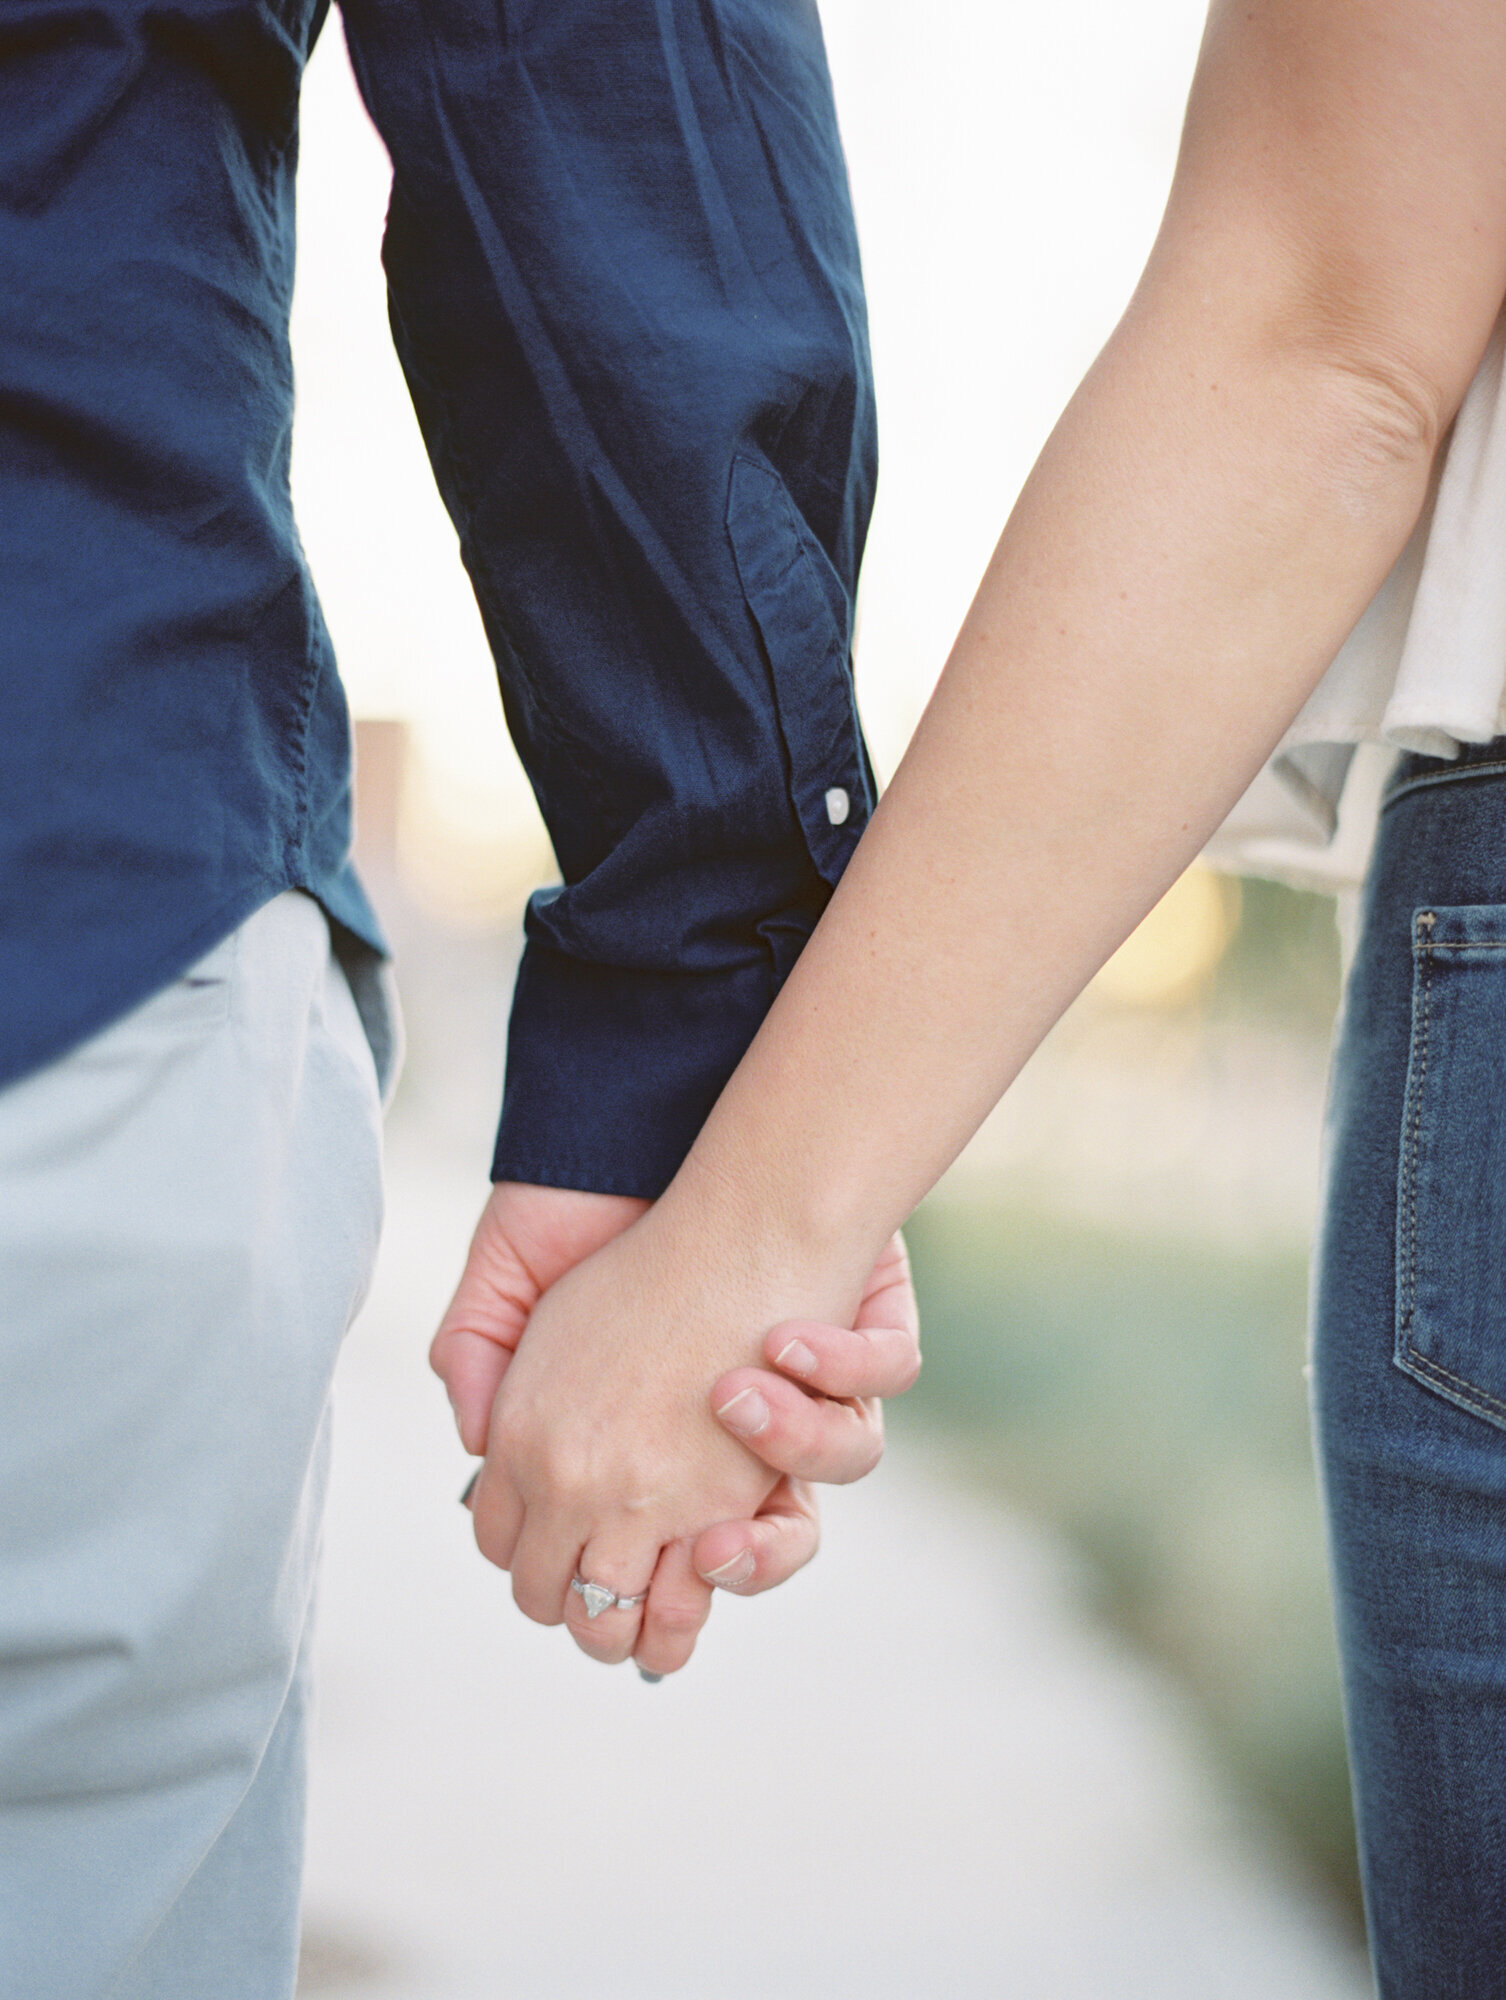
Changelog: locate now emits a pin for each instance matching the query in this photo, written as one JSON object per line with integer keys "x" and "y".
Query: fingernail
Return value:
{"x": 747, "y": 1413}
{"x": 737, "y": 1569}
{"x": 796, "y": 1359}
{"x": 652, "y": 1679}
{"x": 470, "y": 1487}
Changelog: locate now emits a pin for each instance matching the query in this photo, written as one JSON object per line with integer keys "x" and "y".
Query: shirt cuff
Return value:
{"x": 611, "y": 1070}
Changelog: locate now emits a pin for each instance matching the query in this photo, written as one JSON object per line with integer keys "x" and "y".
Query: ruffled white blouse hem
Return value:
{"x": 1423, "y": 670}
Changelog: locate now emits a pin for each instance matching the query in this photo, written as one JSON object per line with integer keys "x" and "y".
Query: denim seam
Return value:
{"x": 1456, "y": 1386}
{"x": 1425, "y": 924}
{"x": 1474, "y": 1395}
{"x": 1461, "y": 775}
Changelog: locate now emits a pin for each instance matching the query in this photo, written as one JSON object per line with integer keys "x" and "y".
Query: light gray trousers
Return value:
{"x": 189, "y": 1211}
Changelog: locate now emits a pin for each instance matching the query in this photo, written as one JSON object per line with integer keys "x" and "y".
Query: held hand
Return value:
{"x": 526, "y": 1239}
{"x": 602, "y": 1452}
{"x": 814, "y": 1414}
{"x": 528, "y": 1236}
{"x": 825, "y": 1424}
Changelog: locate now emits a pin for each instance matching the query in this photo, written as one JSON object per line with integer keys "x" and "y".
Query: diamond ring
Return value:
{"x": 599, "y": 1598}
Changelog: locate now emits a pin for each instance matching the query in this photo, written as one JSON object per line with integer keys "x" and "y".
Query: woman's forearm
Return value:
{"x": 1174, "y": 580}
{"x": 1220, "y": 501}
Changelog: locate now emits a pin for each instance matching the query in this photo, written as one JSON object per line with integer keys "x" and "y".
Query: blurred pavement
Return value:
{"x": 920, "y": 1769}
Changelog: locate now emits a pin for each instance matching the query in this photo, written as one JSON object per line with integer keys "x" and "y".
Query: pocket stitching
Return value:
{"x": 1457, "y": 1388}
{"x": 1414, "y": 1137}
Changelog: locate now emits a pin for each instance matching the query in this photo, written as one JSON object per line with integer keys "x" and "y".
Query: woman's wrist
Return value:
{"x": 764, "y": 1229}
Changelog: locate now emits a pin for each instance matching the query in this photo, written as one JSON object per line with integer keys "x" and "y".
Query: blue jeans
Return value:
{"x": 1410, "y": 1379}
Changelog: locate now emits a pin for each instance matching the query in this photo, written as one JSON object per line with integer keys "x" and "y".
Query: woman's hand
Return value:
{"x": 528, "y": 1237}
{"x": 602, "y": 1450}
{"x": 816, "y": 1413}
{"x": 822, "y": 1420}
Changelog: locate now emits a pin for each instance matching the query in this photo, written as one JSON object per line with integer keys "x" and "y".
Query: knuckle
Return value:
{"x": 492, "y": 1543}
{"x": 539, "y": 1611}
{"x": 792, "y": 1559}
{"x": 554, "y": 1470}
{"x": 867, "y": 1449}
{"x": 557, "y": 1472}
{"x": 797, "y": 1547}
{"x": 657, "y": 1656}
{"x": 595, "y": 1649}
{"x": 534, "y": 1605}
{"x": 511, "y": 1434}
{"x": 679, "y": 1620}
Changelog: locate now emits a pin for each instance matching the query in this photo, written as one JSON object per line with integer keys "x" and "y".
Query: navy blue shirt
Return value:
{"x": 624, "y": 287}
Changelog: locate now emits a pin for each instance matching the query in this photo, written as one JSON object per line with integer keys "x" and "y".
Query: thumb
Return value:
{"x": 471, "y": 1366}
{"x": 749, "y": 1556}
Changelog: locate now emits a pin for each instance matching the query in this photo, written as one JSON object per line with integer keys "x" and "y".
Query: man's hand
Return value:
{"x": 811, "y": 1415}
{"x": 528, "y": 1237}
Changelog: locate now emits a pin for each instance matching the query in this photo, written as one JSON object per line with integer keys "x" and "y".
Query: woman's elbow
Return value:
{"x": 1376, "y": 382}
{"x": 1385, "y": 407}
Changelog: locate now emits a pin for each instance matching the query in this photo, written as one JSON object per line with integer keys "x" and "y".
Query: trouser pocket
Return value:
{"x": 1451, "y": 1207}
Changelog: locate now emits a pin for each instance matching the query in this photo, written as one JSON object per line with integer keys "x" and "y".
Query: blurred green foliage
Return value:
{"x": 1281, "y": 967}
{"x": 1147, "y": 1399}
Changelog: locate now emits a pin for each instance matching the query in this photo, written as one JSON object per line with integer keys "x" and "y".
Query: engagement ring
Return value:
{"x": 599, "y": 1598}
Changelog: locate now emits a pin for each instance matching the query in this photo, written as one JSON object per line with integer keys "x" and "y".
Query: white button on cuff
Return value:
{"x": 838, "y": 805}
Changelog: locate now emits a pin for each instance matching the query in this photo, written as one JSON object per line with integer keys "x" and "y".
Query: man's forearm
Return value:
{"x": 626, "y": 293}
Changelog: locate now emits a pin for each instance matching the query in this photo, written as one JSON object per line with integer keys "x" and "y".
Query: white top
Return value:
{"x": 1425, "y": 669}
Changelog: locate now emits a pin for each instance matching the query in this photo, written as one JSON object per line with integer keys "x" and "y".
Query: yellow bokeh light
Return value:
{"x": 1173, "y": 953}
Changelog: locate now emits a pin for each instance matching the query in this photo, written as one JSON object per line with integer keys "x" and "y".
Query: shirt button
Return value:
{"x": 838, "y": 805}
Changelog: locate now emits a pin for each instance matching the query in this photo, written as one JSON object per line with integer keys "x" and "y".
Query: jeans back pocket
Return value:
{"x": 1451, "y": 1206}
